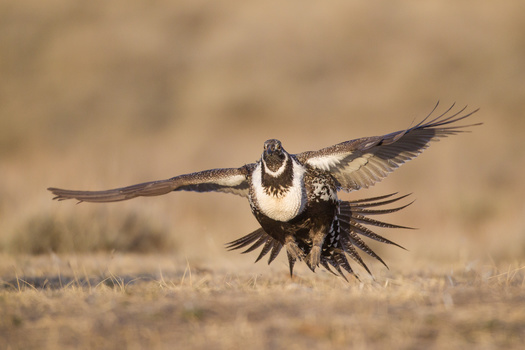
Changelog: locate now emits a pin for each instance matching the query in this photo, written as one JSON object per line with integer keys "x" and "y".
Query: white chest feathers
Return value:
{"x": 286, "y": 205}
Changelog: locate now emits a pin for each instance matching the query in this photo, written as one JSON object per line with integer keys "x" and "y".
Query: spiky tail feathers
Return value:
{"x": 353, "y": 218}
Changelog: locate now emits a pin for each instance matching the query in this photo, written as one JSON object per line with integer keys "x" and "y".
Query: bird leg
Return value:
{"x": 314, "y": 257}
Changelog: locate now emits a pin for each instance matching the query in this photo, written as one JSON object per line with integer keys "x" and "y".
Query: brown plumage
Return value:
{"x": 294, "y": 196}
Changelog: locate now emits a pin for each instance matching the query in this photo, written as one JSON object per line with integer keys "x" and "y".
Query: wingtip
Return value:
{"x": 54, "y": 190}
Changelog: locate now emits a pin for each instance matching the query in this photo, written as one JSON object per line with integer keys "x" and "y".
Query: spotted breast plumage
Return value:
{"x": 294, "y": 196}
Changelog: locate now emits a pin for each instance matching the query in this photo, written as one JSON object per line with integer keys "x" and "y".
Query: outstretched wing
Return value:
{"x": 365, "y": 161}
{"x": 232, "y": 180}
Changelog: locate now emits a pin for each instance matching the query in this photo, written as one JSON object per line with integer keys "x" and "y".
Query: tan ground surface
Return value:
{"x": 100, "y": 94}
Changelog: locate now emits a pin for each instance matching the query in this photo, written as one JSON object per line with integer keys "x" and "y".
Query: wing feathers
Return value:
{"x": 363, "y": 162}
{"x": 232, "y": 180}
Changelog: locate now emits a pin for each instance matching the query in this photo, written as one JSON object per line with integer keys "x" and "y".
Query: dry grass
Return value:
{"x": 102, "y": 94}
{"x": 130, "y": 232}
{"x": 204, "y": 308}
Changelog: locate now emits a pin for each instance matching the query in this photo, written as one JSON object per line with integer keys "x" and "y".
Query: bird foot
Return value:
{"x": 314, "y": 258}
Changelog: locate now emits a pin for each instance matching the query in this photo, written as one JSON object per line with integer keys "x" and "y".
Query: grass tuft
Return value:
{"x": 129, "y": 232}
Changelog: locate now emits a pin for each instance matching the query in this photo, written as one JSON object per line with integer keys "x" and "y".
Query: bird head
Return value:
{"x": 274, "y": 156}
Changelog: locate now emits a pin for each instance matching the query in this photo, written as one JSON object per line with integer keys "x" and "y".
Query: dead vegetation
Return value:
{"x": 203, "y": 308}
{"x": 129, "y": 232}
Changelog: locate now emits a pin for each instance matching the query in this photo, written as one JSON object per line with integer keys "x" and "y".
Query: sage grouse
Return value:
{"x": 294, "y": 196}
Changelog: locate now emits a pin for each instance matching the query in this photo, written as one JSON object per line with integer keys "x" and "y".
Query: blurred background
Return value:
{"x": 98, "y": 94}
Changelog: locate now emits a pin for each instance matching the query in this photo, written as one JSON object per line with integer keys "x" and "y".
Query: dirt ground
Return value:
{"x": 95, "y": 95}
